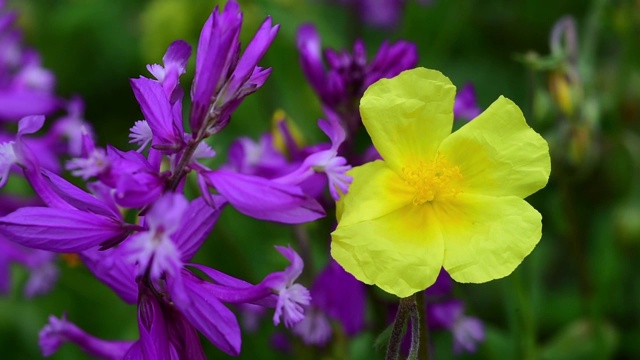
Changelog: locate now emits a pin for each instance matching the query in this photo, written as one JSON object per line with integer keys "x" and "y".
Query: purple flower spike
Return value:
{"x": 341, "y": 86}
{"x": 222, "y": 79}
{"x": 218, "y": 49}
{"x": 247, "y": 77}
{"x": 466, "y": 106}
{"x": 59, "y": 331}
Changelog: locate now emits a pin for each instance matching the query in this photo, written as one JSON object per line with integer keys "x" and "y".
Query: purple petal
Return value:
{"x": 314, "y": 329}
{"x": 232, "y": 290}
{"x": 30, "y": 124}
{"x": 442, "y": 287}
{"x": 466, "y": 106}
{"x": 217, "y": 51}
{"x": 310, "y": 50}
{"x": 156, "y": 109}
{"x": 467, "y": 333}
{"x": 177, "y": 55}
{"x": 201, "y": 219}
{"x": 16, "y": 104}
{"x": 59, "y": 331}
{"x": 77, "y": 197}
{"x": 341, "y": 296}
{"x": 59, "y": 230}
{"x": 333, "y": 130}
{"x": 153, "y": 342}
{"x": 390, "y": 61}
{"x": 265, "y": 199}
{"x": 249, "y": 60}
{"x": 207, "y": 314}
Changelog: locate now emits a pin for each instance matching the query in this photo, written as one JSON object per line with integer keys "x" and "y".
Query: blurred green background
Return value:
{"x": 577, "y": 296}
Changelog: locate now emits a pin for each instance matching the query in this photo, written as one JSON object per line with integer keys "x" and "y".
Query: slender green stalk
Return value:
{"x": 415, "y": 331}
{"x": 397, "y": 332}
{"x": 407, "y": 308}
{"x": 423, "y": 353}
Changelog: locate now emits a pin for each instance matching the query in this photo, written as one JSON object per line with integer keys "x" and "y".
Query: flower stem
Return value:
{"x": 406, "y": 308}
{"x": 423, "y": 353}
{"x": 416, "y": 334}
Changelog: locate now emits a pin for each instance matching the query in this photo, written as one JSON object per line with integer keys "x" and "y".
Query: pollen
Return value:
{"x": 431, "y": 180}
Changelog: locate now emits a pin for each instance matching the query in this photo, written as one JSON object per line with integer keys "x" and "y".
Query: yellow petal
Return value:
{"x": 375, "y": 191}
{"x": 486, "y": 237}
{"x": 408, "y": 116}
{"x": 498, "y": 153}
{"x": 400, "y": 252}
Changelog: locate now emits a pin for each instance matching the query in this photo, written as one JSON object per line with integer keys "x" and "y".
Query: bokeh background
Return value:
{"x": 577, "y": 296}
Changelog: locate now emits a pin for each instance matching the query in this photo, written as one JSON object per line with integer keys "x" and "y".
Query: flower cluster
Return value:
{"x": 134, "y": 227}
{"x": 422, "y": 199}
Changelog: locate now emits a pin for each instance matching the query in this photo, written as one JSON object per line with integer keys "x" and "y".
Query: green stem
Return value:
{"x": 423, "y": 353}
{"x": 415, "y": 331}
{"x": 397, "y": 331}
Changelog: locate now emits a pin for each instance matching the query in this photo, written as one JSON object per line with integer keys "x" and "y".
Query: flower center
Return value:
{"x": 436, "y": 178}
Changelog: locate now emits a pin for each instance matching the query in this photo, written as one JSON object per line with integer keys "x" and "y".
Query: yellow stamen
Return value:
{"x": 437, "y": 178}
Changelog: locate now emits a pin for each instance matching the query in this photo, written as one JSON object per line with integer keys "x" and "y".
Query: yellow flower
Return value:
{"x": 439, "y": 199}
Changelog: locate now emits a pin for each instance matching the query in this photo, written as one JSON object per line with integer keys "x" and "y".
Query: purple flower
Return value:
{"x": 25, "y": 86}
{"x": 153, "y": 250}
{"x": 223, "y": 78}
{"x": 336, "y": 295}
{"x": 259, "y": 158}
{"x": 315, "y": 328}
{"x": 466, "y": 106}
{"x": 290, "y": 298}
{"x": 467, "y": 331}
{"x": 384, "y": 14}
{"x": 341, "y": 86}
{"x": 325, "y": 161}
{"x": 17, "y": 152}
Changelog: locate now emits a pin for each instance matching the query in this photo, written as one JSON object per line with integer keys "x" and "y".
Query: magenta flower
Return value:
{"x": 467, "y": 331}
{"x": 347, "y": 75}
{"x": 224, "y": 78}
{"x": 25, "y": 86}
{"x": 466, "y": 106}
